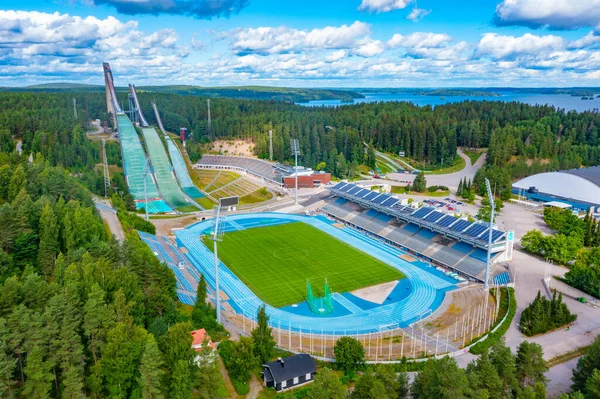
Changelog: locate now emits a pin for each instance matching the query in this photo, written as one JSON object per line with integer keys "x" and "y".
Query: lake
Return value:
{"x": 565, "y": 101}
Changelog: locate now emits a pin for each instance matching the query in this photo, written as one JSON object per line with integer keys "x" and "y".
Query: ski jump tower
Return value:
{"x": 112, "y": 105}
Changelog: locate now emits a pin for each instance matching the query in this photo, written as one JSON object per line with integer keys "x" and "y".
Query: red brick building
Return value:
{"x": 307, "y": 180}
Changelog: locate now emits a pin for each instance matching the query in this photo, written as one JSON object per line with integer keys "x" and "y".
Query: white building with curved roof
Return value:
{"x": 578, "y": 187}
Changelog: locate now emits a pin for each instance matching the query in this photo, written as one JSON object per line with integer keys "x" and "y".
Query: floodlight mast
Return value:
{"x": 217, "y": 235}
{"x": 295, "y": 152}
{"x": 489, "y": 249}
{"x": 146, "y": 171}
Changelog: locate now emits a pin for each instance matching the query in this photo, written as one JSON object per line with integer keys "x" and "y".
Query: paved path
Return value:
{"x": 109, "y": 215}
{"x": 559, "y": 378}
{"x": 450, "y": 180}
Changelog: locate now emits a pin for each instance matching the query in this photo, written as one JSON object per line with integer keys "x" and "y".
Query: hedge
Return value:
{"x": 496, "y": 336}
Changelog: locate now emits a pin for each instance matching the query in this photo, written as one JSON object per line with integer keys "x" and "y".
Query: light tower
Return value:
{"x": 489, "y": 249}
{"x": 295, "y": 152}
{"x": 217, "y": 235}
{"x": 146, "y": 172}
{"x": 270, "y": 145}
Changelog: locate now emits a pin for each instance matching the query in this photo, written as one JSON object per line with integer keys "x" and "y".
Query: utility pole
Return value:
{"x": 295, "y": 152}
{"x": 489, "y": 249}
{"x": 106, "y": 175}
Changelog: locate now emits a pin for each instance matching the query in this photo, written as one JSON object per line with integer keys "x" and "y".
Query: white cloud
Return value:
{"x": 428, "y": 45}
{"x": 383, "y": 5}
{"x": 418, "y": 14}
{"x": 269, "y": 40}
{"x": 500, "y": 47}
{"x": 591, "y": 40}
{"x": 419, "y": 39}
{"x": 554, "y": 14}
{"x": 369, "y": 49}
{"x": 336, "y": 56}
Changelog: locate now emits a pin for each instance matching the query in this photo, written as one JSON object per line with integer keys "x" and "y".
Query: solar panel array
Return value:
{"x": 428, "y": 215}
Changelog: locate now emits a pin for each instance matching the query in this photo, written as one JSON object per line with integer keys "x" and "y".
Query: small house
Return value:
{"x": 201, "y": 341}
{"x": 289, "y": 372}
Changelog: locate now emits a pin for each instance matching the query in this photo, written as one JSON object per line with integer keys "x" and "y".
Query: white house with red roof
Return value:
{"x": 200, "y": 343}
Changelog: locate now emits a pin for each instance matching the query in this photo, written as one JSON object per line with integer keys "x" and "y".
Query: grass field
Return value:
{"x": 274, "y": 262}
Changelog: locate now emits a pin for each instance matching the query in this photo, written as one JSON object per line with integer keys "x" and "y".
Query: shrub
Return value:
{"x": 494, "y": 337}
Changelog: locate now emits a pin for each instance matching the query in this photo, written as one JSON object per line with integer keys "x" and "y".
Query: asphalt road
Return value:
{"x": 109, "y": 215}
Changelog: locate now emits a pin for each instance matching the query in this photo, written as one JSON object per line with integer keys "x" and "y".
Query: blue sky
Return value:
{"x": 326, "y": 43}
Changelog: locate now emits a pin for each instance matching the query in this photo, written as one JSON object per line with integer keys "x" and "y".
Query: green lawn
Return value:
{"x": 473, "y": 154}
{"x": 274, "y": 262}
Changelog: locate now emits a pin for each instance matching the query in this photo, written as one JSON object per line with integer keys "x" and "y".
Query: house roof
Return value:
{"x": 199, "y": 337}
{"x": 290, "y": 367}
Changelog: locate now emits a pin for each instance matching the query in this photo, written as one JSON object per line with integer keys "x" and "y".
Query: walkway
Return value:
{"x": 109, "y": 215}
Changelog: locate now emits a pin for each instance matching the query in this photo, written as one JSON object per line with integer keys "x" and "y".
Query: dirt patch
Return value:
{"x": 339, "y": 225}
{"x": 164, "y": 226}
{"x": 376, "y": 293}
{"x": 233, "y": 147}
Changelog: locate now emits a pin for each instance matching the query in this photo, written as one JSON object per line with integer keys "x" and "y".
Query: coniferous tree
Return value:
{"x": 262, "y": 337}
{"x": 98, "y": 319}
{"x": 8, "y": 364}
{"x": 39, "y": 378}
{"x": 151, "y": 372}
{"x": 181, "y": 381}
{"x": 48, "y": 247}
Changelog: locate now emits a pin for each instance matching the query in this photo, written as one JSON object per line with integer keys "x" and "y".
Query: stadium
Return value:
{"x": 360, "y": 262}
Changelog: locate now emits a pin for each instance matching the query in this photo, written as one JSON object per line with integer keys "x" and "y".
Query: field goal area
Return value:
{"x": 275, "y": 262}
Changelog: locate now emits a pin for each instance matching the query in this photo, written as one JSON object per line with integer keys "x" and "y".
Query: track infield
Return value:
{"x": 275, "y": 262}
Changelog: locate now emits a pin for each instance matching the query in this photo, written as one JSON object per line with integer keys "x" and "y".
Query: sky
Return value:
{"x": 303, "y": 43}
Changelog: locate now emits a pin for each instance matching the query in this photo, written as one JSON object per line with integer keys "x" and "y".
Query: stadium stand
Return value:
{"x": 258, "y": 167}
{"x": 426, "y": 216}
{"x": 412, "y": 230}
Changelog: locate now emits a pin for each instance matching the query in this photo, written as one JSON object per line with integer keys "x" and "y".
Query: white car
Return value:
{"x": 181, "y": 265}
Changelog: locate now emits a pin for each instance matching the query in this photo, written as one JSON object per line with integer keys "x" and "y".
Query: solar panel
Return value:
{"x": 347, "y": 187}
{"x": 476, "y": 229}
{"x": 421, "y": 213}
{"x": 381, "y": 198}
{"x": 354, "y": 190}
{"x": 434, "y": 216}
{"x": 461, "y": 225}
{"x": 362, "y": 193}
{"x": 390, "y": 201}
{"x": 446, "y": 221}
{"x": 371, "y": 195}
{"x": 496, "y": 235}
{"x": 340, "y": 185}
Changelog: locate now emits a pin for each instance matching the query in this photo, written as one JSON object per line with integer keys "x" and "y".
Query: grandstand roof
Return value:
{"x": 576, "y": 184}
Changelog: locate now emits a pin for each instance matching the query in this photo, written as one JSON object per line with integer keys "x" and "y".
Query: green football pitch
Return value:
{"x": 275, "y": 262}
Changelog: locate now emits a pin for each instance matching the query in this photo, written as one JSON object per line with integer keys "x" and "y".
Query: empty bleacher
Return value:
{"x": 258, "y": 167}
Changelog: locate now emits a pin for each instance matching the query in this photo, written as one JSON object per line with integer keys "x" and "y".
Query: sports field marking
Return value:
{"x": 275, "y": 262}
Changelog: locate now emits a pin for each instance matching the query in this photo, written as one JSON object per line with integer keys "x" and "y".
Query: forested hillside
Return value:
{"x": 80, "y": 314}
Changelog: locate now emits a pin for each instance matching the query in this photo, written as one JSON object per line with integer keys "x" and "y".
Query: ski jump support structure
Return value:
{"x": 138, "y": 109}
{"x": 160, "y": 125}
{"x": 112, "y": 104}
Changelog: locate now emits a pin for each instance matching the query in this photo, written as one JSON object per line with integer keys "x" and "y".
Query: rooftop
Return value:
{"x": 290, "y": 367}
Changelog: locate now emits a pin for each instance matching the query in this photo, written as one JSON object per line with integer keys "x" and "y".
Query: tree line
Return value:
{"x": 543, "y": 315}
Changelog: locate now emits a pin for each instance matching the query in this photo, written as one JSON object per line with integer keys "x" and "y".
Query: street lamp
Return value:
{"x": 295, "y": 152}
{"x": 217, "y": 235}
{"x": 489, "y": 249}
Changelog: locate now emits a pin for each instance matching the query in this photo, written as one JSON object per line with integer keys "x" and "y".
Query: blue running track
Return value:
{"x": 428, "y": 289}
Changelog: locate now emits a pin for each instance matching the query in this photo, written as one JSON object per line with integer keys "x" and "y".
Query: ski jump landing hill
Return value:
{"x": 179, "y": 165}
{"x": 161, "y": 189}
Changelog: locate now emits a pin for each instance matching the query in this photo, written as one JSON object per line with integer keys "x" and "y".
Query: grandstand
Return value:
{"x": 262, "y": 169}
{"x": 162, "y": 170}
{"x": 450, "y": 242}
